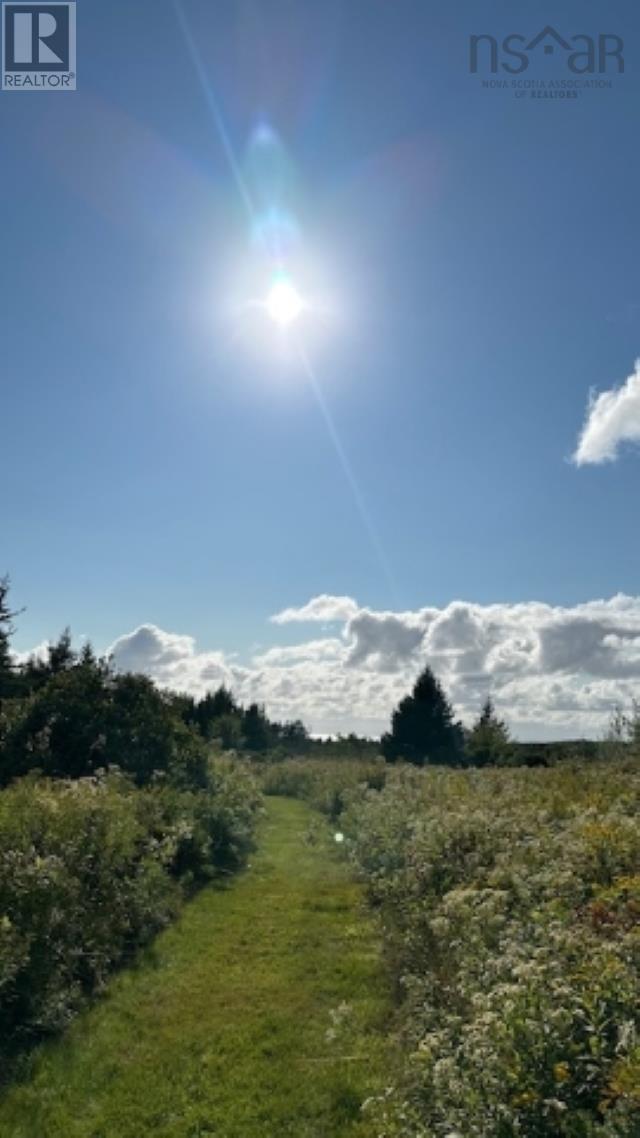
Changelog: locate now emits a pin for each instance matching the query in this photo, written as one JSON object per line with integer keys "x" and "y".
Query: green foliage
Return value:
{"x": 511, "y": 905}
{"x": 89, "y": 871}
{"x": 226, "y": 732}
{"x": 228, "y": 725}
{"x": 86, "y": 718}
{"x": 623, "y": 735}
{"x": 207, "y": 713}
{"x": 60, "y": 657}
{"x": 8, "y": 682}
{"x": 422, "y": 727}
{"x": 349, "y": 746}
{"x": 326, "y": 784}
{"x": 255, "y": 729}
{"x": 261, "y": 1012}
{"x": 488, "y": 742}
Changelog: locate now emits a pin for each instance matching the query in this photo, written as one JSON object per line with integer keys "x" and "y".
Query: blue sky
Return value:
{"x": 165, "y": 465}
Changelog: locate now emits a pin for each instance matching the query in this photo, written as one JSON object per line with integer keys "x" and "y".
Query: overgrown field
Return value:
{"x": 90, "y": 870}
{"x": 260, "y": 1013}
{"x": 510, "y": 901}
{"x": 326, "y": 784}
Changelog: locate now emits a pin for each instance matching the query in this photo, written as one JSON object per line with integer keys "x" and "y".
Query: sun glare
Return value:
{"x": 284, "y": 303}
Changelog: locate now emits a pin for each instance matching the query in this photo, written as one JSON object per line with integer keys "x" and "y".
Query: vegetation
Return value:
{"x": 511, "y": 905}
{"x": 6, "y": 630}
{"x": 86, "y": 718}
{"x": 623, "y": 735}
{"x": 509, "y": 901}
{"x": 89, "y": 871}
{"x": 220, "y": 719}
{"x": 488, "y": 743}
{"x": 260, "y": 1013}
{"x": 113, "y": 810}
{"x": 423, "y": 728}
{"x": 326, "y": 784}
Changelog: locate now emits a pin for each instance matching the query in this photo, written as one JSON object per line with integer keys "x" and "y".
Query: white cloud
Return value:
{"x": 40, "y": 652}
{"x": 613, "y": 418}
{"x": 386, "y": 641}
{"x": 170, "y": 659}
{"x": 553, "y": 671}
{"x": 324, "y": 609}
{"x": 311, "y": 650}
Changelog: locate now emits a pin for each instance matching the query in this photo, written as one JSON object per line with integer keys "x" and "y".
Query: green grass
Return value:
{"x": 260, "y": 1013}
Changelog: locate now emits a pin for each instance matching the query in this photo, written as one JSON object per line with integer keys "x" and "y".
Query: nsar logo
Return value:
{"x": 39, "y": 47}
{"x": 584, "y": 55}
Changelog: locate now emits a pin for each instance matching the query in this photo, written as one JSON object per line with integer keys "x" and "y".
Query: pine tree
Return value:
{"x": 423, "y": 729}
{"x": 489, "y": 742}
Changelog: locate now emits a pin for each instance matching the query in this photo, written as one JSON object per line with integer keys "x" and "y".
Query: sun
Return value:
{"x": 284, "y": 303}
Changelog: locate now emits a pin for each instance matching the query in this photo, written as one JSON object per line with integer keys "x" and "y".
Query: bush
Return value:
{"x": 92, "y": 869}
{"x": 87, "y": 718}
{"x": 510, "y": 901}
{"x": 326, "y": 784}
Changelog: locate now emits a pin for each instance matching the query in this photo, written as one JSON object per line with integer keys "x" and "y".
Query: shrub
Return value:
{"x": 86, "y": 718}
{"x": 510, "y": 901}
{"x": 326, "y": 784}
{"x": 92, "y": 869}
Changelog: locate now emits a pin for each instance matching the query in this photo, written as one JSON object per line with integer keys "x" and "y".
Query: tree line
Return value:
{"x": 69, "y": 714}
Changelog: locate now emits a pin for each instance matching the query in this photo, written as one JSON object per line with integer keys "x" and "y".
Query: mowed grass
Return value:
{"x": 261, "y": 1013}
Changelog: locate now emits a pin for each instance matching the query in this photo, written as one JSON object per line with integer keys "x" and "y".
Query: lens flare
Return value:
{"x": 284, "y": 303}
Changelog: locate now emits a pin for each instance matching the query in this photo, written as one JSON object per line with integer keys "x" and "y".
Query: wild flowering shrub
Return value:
{"x": 90, "y": 870}
{"x": 325, "y": 783}
{"x": 510, "y": 902}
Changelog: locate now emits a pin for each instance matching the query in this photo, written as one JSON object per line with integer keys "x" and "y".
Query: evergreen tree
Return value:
{"x": 87, "y": 657}
{"x": 61, "y": 656}
{"x": 256, "y": 729}
{"x": 212, "y": 707}
{"x": 489, "y": 742}
{"x": 8, "y": 684}
{"x": 423, "y": 729}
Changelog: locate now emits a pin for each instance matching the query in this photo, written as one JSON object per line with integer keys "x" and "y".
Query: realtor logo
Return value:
{"x": 582, "y": 54}
{"x": 39, "y": 47}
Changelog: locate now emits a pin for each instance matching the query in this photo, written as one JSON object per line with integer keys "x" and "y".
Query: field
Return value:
{"x": 261, "y": 1012}
{"x": 511, "y": 902}
{"x": 464, "y": 962}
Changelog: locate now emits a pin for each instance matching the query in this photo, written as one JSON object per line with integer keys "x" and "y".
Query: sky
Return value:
{"x": 438, "y": 462}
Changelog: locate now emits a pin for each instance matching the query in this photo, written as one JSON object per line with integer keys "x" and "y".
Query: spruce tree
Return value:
{"x": 423, "y": 729}
{"x": 489, "y": 742}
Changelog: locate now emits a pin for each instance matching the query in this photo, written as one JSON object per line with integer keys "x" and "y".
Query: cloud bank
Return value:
{"x": 553, "y": 671}
{"x": 613, "y": 418}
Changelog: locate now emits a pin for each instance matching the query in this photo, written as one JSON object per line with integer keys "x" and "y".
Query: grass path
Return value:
{"x": 260, "y": 1013}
